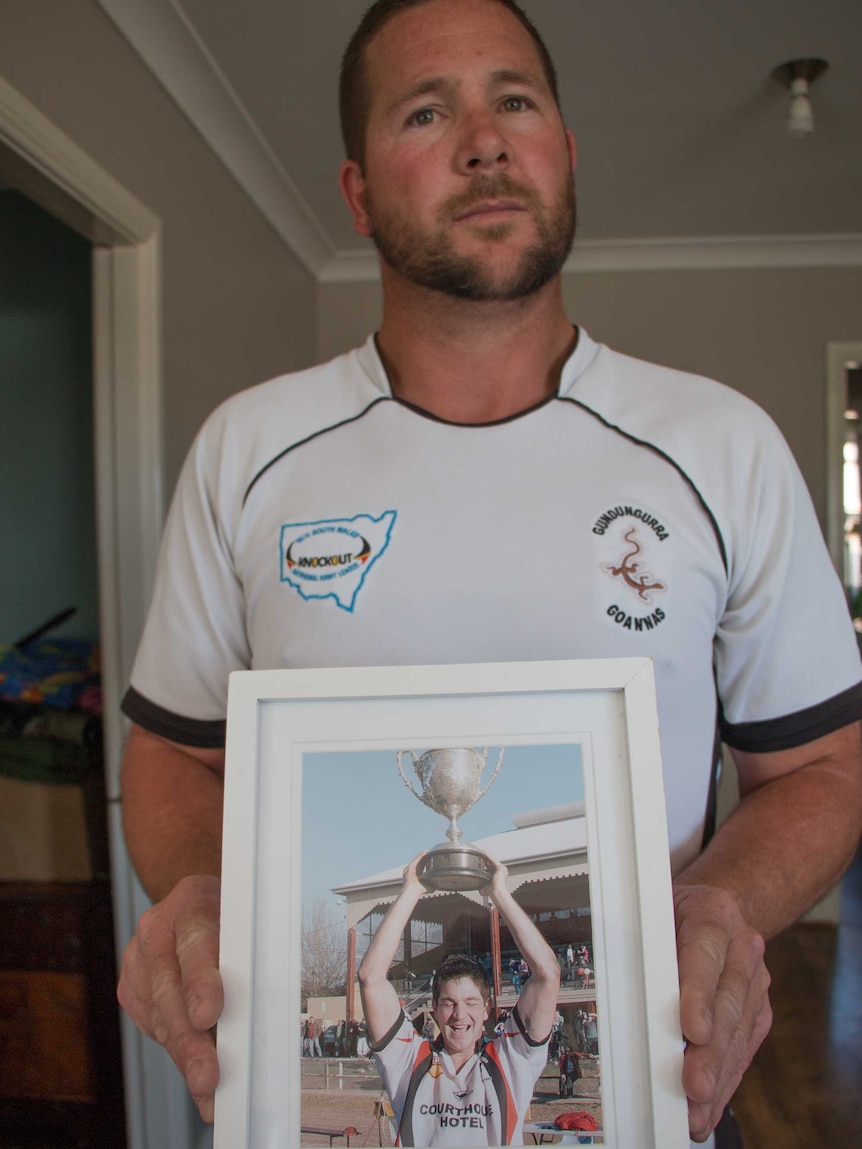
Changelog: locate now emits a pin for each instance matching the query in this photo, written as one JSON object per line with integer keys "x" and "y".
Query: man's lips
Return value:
{"x": 490, "y": 207}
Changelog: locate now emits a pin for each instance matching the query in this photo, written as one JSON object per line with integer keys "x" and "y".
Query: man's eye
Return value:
{"x": 516, "y": 103}
{"x": 422, "y": 117}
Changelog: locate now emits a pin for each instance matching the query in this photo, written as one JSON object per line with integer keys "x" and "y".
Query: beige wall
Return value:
{"x": 763, "y": 332}
{"x": 237, "y": 306}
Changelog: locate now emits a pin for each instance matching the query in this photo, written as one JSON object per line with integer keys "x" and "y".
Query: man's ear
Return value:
{"x": 352, "y": 183}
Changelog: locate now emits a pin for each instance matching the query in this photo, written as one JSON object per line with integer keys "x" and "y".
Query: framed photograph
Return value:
{"x": 335, "y": 781}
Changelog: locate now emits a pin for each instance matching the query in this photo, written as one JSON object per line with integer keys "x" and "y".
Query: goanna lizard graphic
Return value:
{"x": 628, "y": 571}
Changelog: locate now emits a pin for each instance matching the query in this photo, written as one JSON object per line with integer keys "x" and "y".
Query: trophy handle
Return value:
{"x": 493, "y": 776}
{"x": 398, "y": 756}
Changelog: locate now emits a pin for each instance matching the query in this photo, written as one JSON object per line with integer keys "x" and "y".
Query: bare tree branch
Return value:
{"x": 324, "y": 952}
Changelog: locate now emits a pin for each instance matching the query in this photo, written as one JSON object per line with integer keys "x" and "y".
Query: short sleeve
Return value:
{"x": 195, "y": 631}
{"x": 786, "y": 657}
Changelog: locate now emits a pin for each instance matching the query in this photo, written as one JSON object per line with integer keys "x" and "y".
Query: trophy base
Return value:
{"x": 454, "y": 867}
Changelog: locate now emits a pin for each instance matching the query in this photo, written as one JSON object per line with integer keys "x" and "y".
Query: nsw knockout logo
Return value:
{"x": 332, "y": 557}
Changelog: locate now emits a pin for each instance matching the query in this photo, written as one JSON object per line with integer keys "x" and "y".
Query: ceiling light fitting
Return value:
{"x": 798, "y": 76}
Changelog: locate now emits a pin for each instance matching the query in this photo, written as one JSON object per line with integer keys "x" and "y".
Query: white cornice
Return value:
{"x": 713, "y": 253}
{"x": 42, "y": 146}
{"x": 716, "y": 253}
{"x": 169, "y": 46}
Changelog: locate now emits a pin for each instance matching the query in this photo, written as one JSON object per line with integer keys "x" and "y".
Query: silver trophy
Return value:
{"x": 450, "y": 785}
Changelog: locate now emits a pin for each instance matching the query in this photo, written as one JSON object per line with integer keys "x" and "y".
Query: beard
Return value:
{"x": 430, "y": 260}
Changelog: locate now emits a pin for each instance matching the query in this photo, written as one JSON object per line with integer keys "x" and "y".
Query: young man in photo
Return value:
{"x": 458, "y": 1090}
{"x": 515, "y": 491}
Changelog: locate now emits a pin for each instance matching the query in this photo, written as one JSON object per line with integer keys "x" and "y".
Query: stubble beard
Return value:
{"x": 430, "y": 261}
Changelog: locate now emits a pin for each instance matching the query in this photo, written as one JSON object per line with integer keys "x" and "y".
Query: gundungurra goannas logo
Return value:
{"x": 628, "y": 546}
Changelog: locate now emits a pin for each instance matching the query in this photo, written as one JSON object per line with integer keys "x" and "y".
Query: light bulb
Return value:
{"x": 800, "y": 122}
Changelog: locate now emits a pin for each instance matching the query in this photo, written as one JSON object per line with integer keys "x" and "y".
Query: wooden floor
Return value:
{"x": 804, "y": 1089}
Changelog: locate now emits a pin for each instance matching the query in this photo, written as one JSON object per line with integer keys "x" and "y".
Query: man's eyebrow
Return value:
{"x": 427, "y": 87}
{"x": 512, "y": 76}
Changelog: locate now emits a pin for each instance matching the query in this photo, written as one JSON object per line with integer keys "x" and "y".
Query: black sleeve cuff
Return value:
{"x": 795, "y": 729}
{"x": 206, "y": 735}
{"x": 520, "y": 1024}
{"x": 376, "y": 1046}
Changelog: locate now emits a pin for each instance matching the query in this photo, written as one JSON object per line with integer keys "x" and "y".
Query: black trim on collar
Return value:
{"x": 491, "y": 423}
{"x": 789, "y": 730}
{"x": 662, "y": 455}
{"x": 205, "y": 734}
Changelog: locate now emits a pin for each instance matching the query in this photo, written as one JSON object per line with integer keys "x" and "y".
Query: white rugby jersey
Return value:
{"x": 320, "y": 522}
{"x": 483, "y": 1103}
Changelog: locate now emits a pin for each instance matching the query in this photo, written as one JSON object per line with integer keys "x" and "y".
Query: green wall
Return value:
{"x": 47, "y": 510}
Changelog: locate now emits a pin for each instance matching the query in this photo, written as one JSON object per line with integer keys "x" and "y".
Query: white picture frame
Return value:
{"x": 605, "y": 706}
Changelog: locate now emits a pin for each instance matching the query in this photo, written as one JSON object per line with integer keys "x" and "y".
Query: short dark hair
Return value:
{"x": 459, "y": 965}
{"x": 354, "y": 94}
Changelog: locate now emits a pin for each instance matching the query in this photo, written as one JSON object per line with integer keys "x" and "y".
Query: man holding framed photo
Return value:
{"x": 452, "y": 1091}
{"x": 482, "y": 482}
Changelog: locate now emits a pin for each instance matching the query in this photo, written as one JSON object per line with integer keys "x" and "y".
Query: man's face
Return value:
{"x": 460, "y": 1013}
{"x": 468, "y": 185}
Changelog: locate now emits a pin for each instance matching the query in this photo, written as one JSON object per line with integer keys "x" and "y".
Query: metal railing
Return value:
{"x": 337, "y": 1074}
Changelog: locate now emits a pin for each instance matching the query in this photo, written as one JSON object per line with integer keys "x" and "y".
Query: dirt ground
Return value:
{"x": 337, "y": 1110}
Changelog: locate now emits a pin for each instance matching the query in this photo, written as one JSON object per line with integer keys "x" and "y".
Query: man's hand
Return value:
{"x": 499, "y": 874}
{"x": 170, "y": 984}
{"x": 410, "y": 877}
{"x": 724, "y": 1003}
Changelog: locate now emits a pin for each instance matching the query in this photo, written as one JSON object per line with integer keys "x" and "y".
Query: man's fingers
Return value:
{"x": 724, "y": 1001}
{"x": 170, "y": 984}
{"x": 703, "y": 1117}
{"x": 702, "y": 939}
{"x": 737, "y": 1039}
{"x": 197, "y": 950}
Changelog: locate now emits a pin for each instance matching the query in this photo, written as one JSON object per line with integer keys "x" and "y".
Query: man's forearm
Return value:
{"x": 172, "y": 811}
{"x": 384, "y": 945}
{"x": 790, "y": 839}
{"x": 526, "y": 936}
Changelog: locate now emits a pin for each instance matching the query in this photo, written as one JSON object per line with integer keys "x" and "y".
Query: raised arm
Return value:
{"x": 379, "y": 1000}
{"x": 537, "y": 1003}
{"x": 169, "y": 984}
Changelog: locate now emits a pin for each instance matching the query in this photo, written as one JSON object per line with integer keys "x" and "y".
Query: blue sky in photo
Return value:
{"x": 358, "y": 819}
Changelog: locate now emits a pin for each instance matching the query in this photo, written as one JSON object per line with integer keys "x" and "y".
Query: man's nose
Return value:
{"x": 483, "y": 145}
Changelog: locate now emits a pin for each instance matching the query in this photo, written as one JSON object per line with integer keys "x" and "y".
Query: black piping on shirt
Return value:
{"x": 308, "y": 439}
{"x": 662, "y": 455}
{"x": 402, "y": 403}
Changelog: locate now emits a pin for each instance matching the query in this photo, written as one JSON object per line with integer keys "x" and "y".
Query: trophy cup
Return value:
{"x": 450, "y": 786}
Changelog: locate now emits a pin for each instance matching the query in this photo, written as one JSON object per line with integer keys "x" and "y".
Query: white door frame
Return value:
{"x": 129, "y": 505}
{"x": 838, "y": 357}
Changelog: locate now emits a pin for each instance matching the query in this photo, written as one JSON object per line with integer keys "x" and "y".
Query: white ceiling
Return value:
{"x": 681, "y": 131}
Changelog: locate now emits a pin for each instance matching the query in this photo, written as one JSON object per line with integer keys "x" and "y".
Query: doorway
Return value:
{"x": 60, "y": 1067}
{"x": 51, "y": 170}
